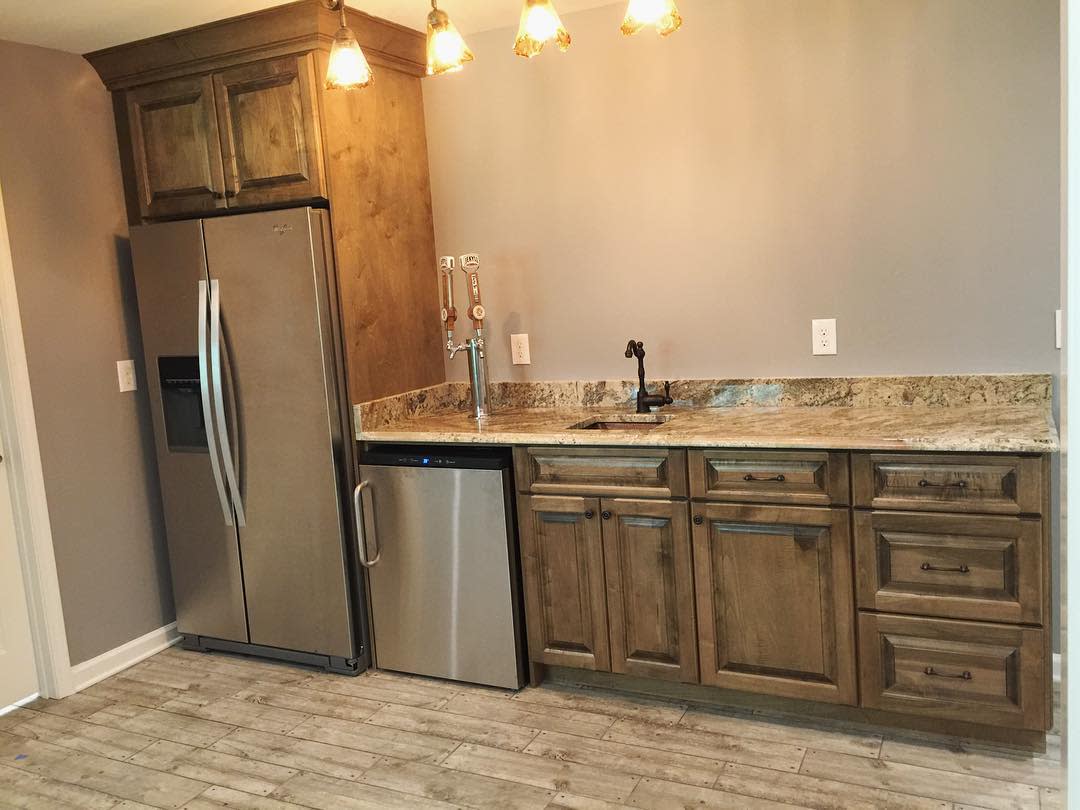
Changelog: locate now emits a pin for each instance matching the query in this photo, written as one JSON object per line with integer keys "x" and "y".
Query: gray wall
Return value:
{"x": 60, "y": 174}
{"x": 890, "y": 163}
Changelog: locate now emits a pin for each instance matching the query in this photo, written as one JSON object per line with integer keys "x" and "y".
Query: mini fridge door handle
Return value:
{"x": 219, "y": 402}
{"x": 360, "y": 505}
{"x": 208, "y": 417}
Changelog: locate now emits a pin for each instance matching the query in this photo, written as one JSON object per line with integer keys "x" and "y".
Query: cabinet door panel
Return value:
{"x": 650, "y": 590}
{"x": 563, "y": 564}
{"x": 270, "y": 132}
{"x": 176, "y": 156}
{"x": 775, "y": 604}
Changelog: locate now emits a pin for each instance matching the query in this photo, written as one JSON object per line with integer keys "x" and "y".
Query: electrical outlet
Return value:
{"x": 519, "y": 350}
{"x": 1057, "y": 328}
{"x": 125, "y": 373}
{"x": 824, "y": 335}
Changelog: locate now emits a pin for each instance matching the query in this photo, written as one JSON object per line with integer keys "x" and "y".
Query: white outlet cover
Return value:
{"x": 519, "y": 350}
{"x": 823, "y": 331}
{"x": 125, "y": 374}
{"x": 1057, "y": 329}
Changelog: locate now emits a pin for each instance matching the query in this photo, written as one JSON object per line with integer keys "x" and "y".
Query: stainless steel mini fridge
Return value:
{"x": 240, "y": 330}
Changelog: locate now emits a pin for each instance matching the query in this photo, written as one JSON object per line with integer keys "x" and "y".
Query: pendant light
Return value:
{"x": 660, "y": 13}
{"x": 540, "y": 23}
{"x": 446, "y": 50}
{"x": 348, "y": 68}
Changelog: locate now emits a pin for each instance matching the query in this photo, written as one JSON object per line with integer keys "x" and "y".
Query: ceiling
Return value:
{"x": 81, "y": 26}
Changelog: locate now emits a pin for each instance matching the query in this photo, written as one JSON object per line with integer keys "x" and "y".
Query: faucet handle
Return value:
{"x": 667, "y": 392}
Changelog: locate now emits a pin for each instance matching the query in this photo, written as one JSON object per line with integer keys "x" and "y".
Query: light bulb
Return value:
{"x": 446, "y": 50}
{"x": 660, "y": 13}
{"x": 540, "y": 23}
{"x": 348, "y": 68}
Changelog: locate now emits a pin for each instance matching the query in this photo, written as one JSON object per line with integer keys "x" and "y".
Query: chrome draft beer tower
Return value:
{"x": 474, "y": 346}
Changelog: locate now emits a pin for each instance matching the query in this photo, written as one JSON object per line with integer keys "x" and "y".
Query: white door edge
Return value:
{"x": 18, "y": 704}
{"x": 31, "y": 511}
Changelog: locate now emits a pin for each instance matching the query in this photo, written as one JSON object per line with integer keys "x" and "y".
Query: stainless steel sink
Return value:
{"x": 629, "y": 422}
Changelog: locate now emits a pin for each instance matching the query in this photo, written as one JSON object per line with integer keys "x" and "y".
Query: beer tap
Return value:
{"x": 478, "y": 376}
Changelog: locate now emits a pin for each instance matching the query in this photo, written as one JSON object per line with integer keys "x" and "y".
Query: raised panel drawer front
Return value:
{"x": 992, "y": 674}
{"x": 645, "y": 472}
{"x": 775, "y": 602}
{"x": 1009, "y": 485}
{"x": 650, "y": 588}
{"x": 957, "y": 566}
{"x": 563, "y": 567}
{"x": 770, "y": 476}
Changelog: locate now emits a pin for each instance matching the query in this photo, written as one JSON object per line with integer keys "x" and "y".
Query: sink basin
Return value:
{"x": 630, "y": 421}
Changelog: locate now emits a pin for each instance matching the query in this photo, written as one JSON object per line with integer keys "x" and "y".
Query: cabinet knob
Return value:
{"x": 589, "y": 514}
{"x": 698, "y": 520}
{"x": 606, "y": 515}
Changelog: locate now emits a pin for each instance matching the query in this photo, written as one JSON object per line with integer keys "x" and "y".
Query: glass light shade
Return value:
{"x": 660, "y": 13}
{"x": 540, "y": 23}
{"x": 348, "y": 68}
{"x": 446, "y": 50}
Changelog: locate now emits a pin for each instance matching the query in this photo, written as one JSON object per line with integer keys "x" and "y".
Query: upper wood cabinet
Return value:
{"x": 175, "y": 150}
{"x": 269, "y": 126}
{"x": 774, "y": 600}
{"x": 239, "y": 138}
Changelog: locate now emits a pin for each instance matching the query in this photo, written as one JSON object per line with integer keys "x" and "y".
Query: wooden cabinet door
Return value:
{"x": 268, "y": 117}
{"x": 175, "y": 151}
{"x": 563, "y": 564}
{"x": 650, "y": 588}
{"x": 775, "y": 602}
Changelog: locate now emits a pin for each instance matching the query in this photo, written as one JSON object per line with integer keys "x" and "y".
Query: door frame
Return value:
{"x": 22, "y": 454}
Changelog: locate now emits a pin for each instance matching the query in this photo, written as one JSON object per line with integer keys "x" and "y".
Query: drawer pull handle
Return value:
{"x": 944, "y": 485}
{"x": 779, "y": 479}
{"x": 963, "y": 676}
{"x": 960, "y": 569}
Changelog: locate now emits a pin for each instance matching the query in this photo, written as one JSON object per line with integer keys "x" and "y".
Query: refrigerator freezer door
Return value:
{"x": 281, "y": 391}
{"x": 170, "y": 262}
{"x": 441, "y": 598}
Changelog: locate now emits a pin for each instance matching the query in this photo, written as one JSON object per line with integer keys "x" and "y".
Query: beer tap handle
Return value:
{"x": 470, "y": 263}
{"x": 449, "y": 312}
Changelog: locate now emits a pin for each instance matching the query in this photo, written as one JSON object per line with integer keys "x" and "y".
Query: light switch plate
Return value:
{"x": 125, "y": 373}
{"x": 519, "y": 350}
{"x": 824, "y": 335}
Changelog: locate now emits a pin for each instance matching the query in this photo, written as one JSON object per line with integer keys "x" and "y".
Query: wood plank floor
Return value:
{"x": 209, "y": 731}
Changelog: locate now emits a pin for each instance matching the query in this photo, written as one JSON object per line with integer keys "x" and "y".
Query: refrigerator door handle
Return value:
{"x": 360, "y": 505}
{"x": 219, "y": 402}
{"x": 208, "y": 418}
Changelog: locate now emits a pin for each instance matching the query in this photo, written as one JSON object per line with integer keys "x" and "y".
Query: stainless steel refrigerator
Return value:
{"x": 241, "y": 337}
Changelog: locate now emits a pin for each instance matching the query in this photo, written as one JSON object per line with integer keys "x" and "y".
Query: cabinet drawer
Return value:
{"x": 766, "y": 476}
{"x": 631, "y": 472}
{"x": 981, "y": 673}
{"x": 1009, "y": 485}
{"x": 958, "y": 566}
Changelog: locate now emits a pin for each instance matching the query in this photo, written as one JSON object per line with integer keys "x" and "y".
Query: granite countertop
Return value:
{"x": 1015, "y": 428}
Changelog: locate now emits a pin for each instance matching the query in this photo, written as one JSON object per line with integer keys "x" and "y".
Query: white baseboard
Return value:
{"x": 18, "y": 704}
{"x": 126, "y": 655}
{"x": 1057, "y": 668}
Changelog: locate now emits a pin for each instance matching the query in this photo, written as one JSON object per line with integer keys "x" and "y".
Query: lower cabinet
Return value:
{"x": 650, "y": 588}
{"x": 609, "y": 585}
{"x": 562, "y": 561}
{"x": 774, "y": 600}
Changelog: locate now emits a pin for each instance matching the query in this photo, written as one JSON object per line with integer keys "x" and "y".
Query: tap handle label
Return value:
{"x": 449, "y": 313}
{"x": 470, "y": 263}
